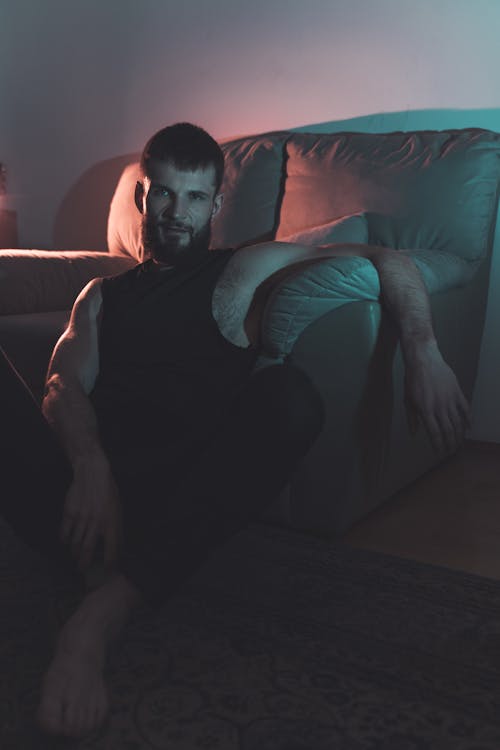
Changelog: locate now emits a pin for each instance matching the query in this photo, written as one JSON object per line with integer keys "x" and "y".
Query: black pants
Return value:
{"x": 269, "y": 426}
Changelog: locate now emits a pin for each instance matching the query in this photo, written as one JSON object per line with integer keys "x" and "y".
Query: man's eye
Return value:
{"x": 197, "y": 196}
{"x": 159, "y": 191}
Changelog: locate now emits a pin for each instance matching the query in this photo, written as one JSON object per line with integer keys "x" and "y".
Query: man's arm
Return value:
{"x": 91, "y": 507}
{"x": 432, "y": 390}
{"x": 71, "y": 375}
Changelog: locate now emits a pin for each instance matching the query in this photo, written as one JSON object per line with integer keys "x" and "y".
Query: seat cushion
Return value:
{"x": 429, "y": 189}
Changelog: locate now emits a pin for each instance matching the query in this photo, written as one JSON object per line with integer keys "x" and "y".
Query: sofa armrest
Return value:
{"x": 441, "y": 270}
{"x": 33, "y": 281}
{"x": 307, "y": 295}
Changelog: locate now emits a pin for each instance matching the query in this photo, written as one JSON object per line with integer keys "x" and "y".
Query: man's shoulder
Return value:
{"x": 123, "y": 277}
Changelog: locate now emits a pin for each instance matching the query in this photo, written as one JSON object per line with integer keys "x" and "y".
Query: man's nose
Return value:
{"x": 175, "y": 208}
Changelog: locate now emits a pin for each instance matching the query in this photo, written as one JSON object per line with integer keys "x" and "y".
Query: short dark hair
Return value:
{"x": 187, "y": 147}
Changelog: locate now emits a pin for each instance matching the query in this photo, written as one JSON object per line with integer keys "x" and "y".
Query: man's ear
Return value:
{"x": 218, "y": 201}
{"x": 139, "y": 195}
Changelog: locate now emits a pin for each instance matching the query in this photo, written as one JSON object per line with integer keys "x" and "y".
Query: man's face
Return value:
{"x": 177, "y": 208}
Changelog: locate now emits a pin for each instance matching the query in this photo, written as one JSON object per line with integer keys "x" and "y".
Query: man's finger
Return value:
{"x": 77, "y": 534}
{"x": 449, "y": 435}
{"x": 465, "y": 410}
{"x": 87, "y": 546}
{"x": 411, "y": 417}
{"x": 110, "y": 543}
{"x": 65, "y": 529}
{"x": 434, "y": 431}
{"x": 69, "y": 519}
{"x": 459, "y": 424}
{"x": 69, "y": 515}
{"x": 79, "y": 530}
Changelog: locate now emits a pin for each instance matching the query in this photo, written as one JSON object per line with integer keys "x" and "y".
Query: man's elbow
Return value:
{"x": 58, "y": 385}
{"x": 53, "y": 383}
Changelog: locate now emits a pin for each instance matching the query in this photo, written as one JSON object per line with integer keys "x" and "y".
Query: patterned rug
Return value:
{"x": 281, "y": 642}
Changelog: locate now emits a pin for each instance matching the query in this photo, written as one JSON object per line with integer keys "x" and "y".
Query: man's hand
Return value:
{"x": 92, "y": 510}
{"x": 433, "y": 396}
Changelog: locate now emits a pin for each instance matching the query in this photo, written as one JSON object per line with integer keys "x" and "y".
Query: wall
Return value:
{"x": 87, "y": 80}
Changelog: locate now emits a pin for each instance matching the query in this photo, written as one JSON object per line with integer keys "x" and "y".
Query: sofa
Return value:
{"x": 430, "y": 194}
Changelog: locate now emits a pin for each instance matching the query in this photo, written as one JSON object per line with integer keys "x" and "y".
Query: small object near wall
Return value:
{"x": 8, "y": 219}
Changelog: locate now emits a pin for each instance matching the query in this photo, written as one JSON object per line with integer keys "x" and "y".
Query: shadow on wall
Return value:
{"x": 81, "y": 220}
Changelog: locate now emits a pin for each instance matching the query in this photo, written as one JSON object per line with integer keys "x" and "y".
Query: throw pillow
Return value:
{"x": 347, "y": 229}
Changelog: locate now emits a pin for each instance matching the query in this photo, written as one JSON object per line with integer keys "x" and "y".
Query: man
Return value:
{"x": 169, "y": 446}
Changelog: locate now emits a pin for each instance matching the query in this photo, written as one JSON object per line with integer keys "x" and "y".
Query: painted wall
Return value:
{"x": 86, "y": 80}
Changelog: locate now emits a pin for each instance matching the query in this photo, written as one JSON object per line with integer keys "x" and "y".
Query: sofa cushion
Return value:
{"x": 33, "y": 281}
{"x": 251, "y": 188}
{"x": 428, "y": 189}
{"x": 442, "y": 271}
{"x": 348, "y": 229}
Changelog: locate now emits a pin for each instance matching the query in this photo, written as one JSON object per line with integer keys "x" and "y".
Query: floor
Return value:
{"x": 449, "y": 517}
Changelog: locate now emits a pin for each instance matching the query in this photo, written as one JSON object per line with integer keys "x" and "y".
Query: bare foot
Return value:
{"x": 74, "y": 699}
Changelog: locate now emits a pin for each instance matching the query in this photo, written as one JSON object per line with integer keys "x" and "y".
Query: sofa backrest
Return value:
{"x": 434, "y": 190}
{"x": 428, "y": 189}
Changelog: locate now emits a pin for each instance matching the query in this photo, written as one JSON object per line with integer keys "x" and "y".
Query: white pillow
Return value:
{"x": 124, "y": 220}
{"x": 352, "y": 228}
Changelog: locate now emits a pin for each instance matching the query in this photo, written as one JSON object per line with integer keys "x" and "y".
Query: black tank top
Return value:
{"x": 165, "y": 369}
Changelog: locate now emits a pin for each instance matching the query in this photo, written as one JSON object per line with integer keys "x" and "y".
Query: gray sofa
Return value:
{"x": 430, "y": 194}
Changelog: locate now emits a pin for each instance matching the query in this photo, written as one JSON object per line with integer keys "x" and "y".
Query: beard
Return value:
{"x": 174, "y": 243}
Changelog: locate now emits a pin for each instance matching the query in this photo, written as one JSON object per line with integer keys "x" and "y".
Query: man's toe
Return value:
{"x": 49, "y": 717}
